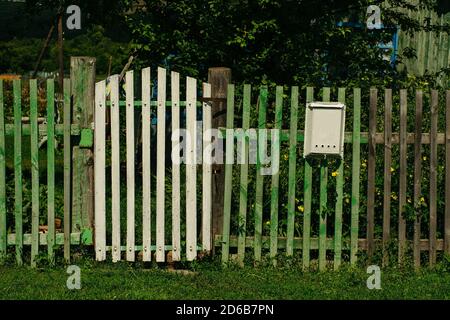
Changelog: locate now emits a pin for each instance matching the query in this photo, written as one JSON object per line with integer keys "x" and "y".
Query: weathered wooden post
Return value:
{"x": 82, "y": 74}
{"x": 219, "y": 78}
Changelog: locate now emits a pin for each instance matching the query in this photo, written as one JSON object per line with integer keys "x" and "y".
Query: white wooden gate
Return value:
{"x": 108, "y": 229}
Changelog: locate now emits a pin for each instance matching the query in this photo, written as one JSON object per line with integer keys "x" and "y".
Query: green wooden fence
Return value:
{"x": 15, "y": 234}
{"x": 432, "y": 49}
{"x": 323, "y": 212}
{"x": 35, "y": 158}
{"x": 324, "y": 227}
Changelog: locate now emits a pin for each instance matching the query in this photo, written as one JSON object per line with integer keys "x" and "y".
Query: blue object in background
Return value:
{"x": 393, "y": 45}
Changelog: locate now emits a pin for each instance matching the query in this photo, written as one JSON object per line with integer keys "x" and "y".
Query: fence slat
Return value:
{"x": 3, "y": 235}
{"x": 403, "y": 176}
{"x": 371, "y": 172}
{"x": 17, "y": 88}
{"x": 160, "y": 166}
{"x": 146, "y": 172}
{"x": 191, "y": 169}
{"x": 387, "y": 173}
{"x": 129, "y": 92}
{"x": 115, "y": 167}
{"x": 99, "y": 171}
{"x": 244, "y": 174}
{"x": 51, "y": 169}
{"x": 207, "y": 172}
{"x": 323, "y": 201}
{"x": 34, "y": 148}
{"x": 259, "y": 177}
{"x": 67, "y": 169}
{"x": 339, "y": 202}
{"x": 176, "y": 191}
{"x": 228, "y": 175}
{"x": 83, "y": 91}
{"x": 275, "y": 175}
{"x": 417, "y": 176}
{"x": 292, "y": 171}
{"x": 307, "y": 185}
{"x": 447, "y": 173}
{"x": 433, "y": 176}
{"x": 356, "y": 171}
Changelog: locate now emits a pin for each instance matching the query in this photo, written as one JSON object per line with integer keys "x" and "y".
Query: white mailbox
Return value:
{"x": 324, "y": 129}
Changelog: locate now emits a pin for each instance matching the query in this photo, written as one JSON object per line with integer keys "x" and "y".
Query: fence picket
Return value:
{"x": 275, "y": 176}
{"x": 51, "y": 169}
{"x": 292, "y": 171}
{"x": 160, "y": 166}
{"x": 339, "y": 202}
{"x": 34, "y": 172}
{"x": 191, "y": 169}
{"x": 433, "y": 176}
{"x": 371, "y": 172}
{"x": 146, "y": 173}
{"x": 228, "y": 175}
{"x": 447, "y": 173}
{"x": 259, "y": 189}
{"x": 243, "y": 195}
{"x": 356, "y": 166}
{"x": 115, "y": 167}
{"x": 3, "y": 229}
{"x": 67, "y": 169}
{"x": 176, "y": 201}
{"x": 417, "y": 176}
{"x": 207, "y": 172}
{"x": 17, "y": 87}
{"x": 307, "y": 185}
{"x": 323, "y": 212}
{"x": 129, "y": 91}
{"x": 403, "y": 176}
{"x": 387, "y": 173}
{"x": 99, "y": 171}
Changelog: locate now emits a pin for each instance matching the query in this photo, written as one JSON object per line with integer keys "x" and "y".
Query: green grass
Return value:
{"x": 122, "y": 281}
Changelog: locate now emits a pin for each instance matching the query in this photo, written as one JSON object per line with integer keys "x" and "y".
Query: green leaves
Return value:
{"x": 271, "y": 41}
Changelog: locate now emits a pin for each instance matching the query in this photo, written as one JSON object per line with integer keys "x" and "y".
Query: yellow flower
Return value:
{"x": 394, "y": 196}
{"x": 364, "y": 163}
{"x": 335, "y": 174}
{"x": 347, "y": 200}
{"x": 301, "y": 208}
{"x": 422, "y": 200}
{"x": 268, "y": 222}
{"x": 285, "y": 157}
{"x": 392, "y": 169}
{"x": 424, "y": 158}
{"x": 409, "y": 200}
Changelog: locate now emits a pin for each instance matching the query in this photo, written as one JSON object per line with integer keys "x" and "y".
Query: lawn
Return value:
{"x": 123, "y": 281}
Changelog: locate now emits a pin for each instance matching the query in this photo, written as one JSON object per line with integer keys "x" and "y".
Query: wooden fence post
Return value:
{"x": 219, "y": 78}
{"x": 82, "y": 74}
